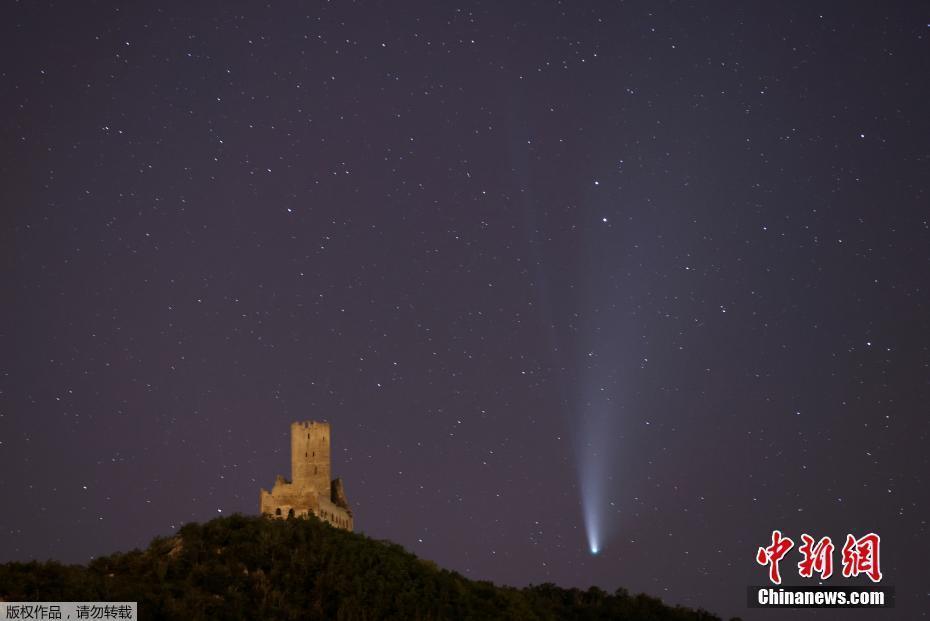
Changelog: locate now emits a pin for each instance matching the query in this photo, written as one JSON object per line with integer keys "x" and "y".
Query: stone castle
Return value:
{"x": 310, "y": 490}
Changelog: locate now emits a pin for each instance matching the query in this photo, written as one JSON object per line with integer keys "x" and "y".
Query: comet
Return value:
{"x": 594, "y": 474}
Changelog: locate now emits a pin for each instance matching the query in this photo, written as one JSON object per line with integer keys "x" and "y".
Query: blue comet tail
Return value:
{"x": 594, "y": 471}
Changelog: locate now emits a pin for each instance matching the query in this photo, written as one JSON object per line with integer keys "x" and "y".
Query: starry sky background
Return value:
{"x": 455, "y": 231}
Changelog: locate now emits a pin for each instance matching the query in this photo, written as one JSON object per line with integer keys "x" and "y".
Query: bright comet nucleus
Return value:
{"x": 594, "y": 476}
{"x": 592, "y": 509}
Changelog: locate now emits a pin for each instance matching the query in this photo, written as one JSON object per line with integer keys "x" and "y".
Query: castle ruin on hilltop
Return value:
{"x": 310, "y": 490}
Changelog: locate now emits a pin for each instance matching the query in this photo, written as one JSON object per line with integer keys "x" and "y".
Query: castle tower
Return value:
{"x": 310, "y": 456}
{"x": 310, "y": 490}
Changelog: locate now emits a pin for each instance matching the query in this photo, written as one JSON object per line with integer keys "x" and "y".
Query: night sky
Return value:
{"x": 666, "y": 265}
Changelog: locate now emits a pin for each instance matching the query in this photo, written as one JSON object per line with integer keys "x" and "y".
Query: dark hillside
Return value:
{"x": 253, "y": 568}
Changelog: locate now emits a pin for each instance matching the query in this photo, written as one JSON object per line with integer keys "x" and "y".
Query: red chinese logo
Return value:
{"x": 860, "y": 556}
{"x": 817, "y": 558}
{"x": 773, "y": 554}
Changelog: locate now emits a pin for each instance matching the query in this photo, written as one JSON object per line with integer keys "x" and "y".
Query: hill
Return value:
{"x": 254, "y": 568}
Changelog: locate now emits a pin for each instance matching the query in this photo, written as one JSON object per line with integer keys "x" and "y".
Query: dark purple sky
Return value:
{"x": 461, "y": 233}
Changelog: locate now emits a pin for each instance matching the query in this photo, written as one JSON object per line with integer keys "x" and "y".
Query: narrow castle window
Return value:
{"x": 277, "y": 511}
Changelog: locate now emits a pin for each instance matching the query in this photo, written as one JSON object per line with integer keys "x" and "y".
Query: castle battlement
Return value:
{"x": 310, "y": 490}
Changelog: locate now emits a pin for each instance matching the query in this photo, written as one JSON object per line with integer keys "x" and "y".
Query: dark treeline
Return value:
{"x": 253, "y": 568}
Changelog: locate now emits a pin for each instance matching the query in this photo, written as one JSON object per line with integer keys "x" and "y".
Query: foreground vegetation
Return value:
{"x": 253, "y": 568}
